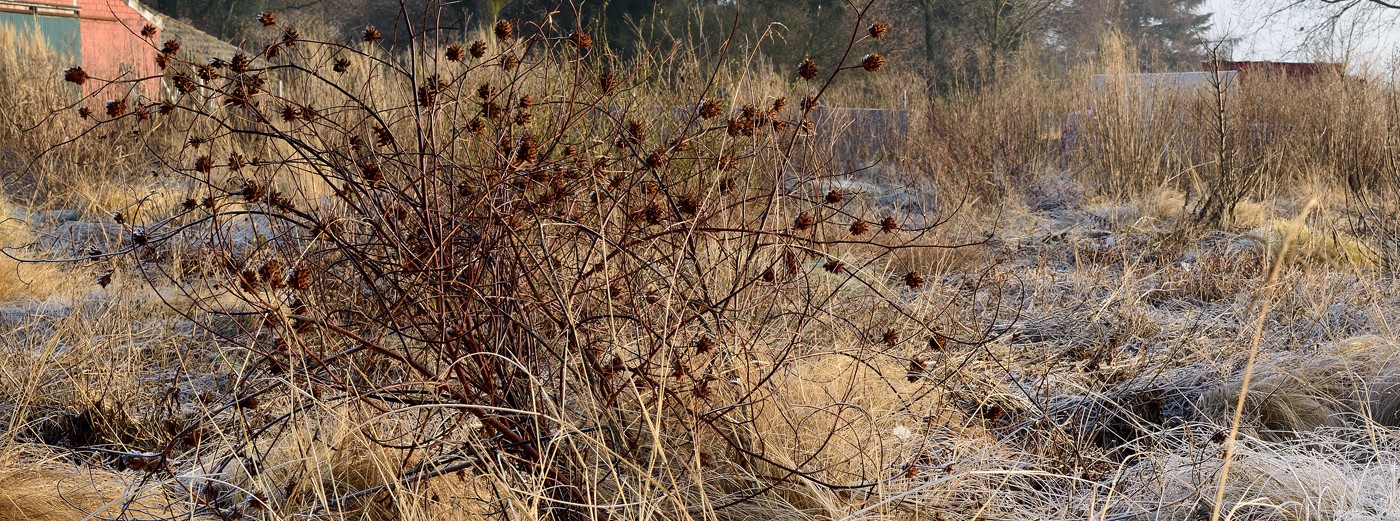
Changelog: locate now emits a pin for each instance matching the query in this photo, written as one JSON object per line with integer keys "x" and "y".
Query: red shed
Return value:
{"x": 1290, "y": 70}
{"x": 112, "y": 45}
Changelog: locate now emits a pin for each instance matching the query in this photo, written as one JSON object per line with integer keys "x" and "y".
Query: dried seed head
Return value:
{"x": 148, "y": 31}
{"x": 523, "y": 118}
{"x": 240, "y": 63}
{"x": 371, "y": 173}
{"x": 580, "y": 40}
{"x": 657, "y": 159}
{"x": 290, "y": 113}
{"x": 236, "y": 161}
{"x": 371, "y": 35}
{"x": 872, "y": 62}
{"x": 104, "y": 279}
{"x": 84, "y": 112}
{"x": 116, "y": 108}
{"x": 475, "y": 127}
{"x": 890, "y": 338}
{"x": 878, "y": 30}
{"x": 478, "y": 49}
{"x": 710, "y": 108}
{"x": 455, "y": 53}
{"x": 636, "y": 131}
{"x": 172, "y": 47}
{"x": 834, "y": 197}
{"x": 809, "y": 102}
{"x": 778, "y": 106}
{"x": 807, "y": 69}
{"x": 289, "y": 38}
{"x": 271, "y": 272}
{"x": 859, "y": 227}
{"x": 383, "y": 137}
{"x": 688, "y": 204}
{"x": 204, "y": 164}
{"x": 75, "y": 75}
{"x": 526, "y": 101}
{"x": 704, "y": 344}
{"x": 834, "y": 266}
{"x": 607, "y": 82}
{"x": 509, "y": 61}
{"x": 341, "y": 65}
{"x": 888, "y": 225}
{"x": 163, "y": 61}
{"x": 917, "y": 368}
{"x": 913, "y": 280}
{"x": 267, "y": 18}
{"x": 166, "y": 107}
{"x": 207, "y": 72}
{"x": 301, "y": 279}
{"x": 803, "y": 222}
{"x": 503, "y": 30}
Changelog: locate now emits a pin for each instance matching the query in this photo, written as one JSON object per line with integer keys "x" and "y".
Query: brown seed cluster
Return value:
{"x": 710, "y": 108}
{"x": 807, "y": 69}
{"x": 372, "y": 35}
{"x": 455, "y": 53}
{"x": 75, "y": 75}
{"x": 478, "y": 49}
{"x": 267, "y": 18}
{"x": 503, "y": 30}
{"x": 872, "y": 62}
{"x": 878, "y": 30}
{"x": 580, "y": 40}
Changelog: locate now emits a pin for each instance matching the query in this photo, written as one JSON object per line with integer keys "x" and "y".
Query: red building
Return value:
{"x": 103, "y": 36}
{"x": 1290, "y": 70}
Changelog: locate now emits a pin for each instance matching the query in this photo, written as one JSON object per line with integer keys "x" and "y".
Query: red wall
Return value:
{"x": 113, "y": 48}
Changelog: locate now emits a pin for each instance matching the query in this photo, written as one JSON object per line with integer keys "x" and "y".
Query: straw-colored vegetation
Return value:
{"x": 517, "y": 279}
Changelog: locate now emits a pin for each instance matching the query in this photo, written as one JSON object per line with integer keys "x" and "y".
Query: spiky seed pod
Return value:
{"x": 526, "y": 101}
{"x": 236, "y": 161}
{"x": 240, "y": 63}
{"x": 710, "y": 108}
{"x": 341, "y": 65}
{"x": 580, "y": 40}
{"x": 809, "y": 103}
{"x": 207, "y": 72}
{"x": 163, "y": 61}
{"x": 607, "y": 82}
{"x": 688, "y": 204}
{"x": 371, "y": 173}
{"x": 290, "y": 37}
{"x": 859, "y": 227}
{"x": 273, "y": 51}
{"x": 807, "y": 69}
{"x": 509, "y": 61}
{"x": 383, "y": 137}
{"x": 878, "y": 30}
{"x": 503, "y": 30}
{"x": 937, "y": 342}
{"x": 803, "y": 222}
{"x": 835, "y": 197}
{"x": 148, "y": 31}
{"x": 143, "y": 113}
{"x": 475, "y": 127}
{"x": 371, "y": 35}
{"x": 252, "y": 192}
{"x": 248, "y": 280}
{"x": 167, "y": 107}
{"x": 569, "y": 151}
{"x": 484, "y": 91}
{"x": 778, "y": 106}
{"x": 740, "y": 127}
{"x": 267, "y": 18}
{"x": 913, "y": 280}
{"x": 290, "y": 113}
{"x": 727, "y": 185}
{"x": 888, "y": 225}
{"x": 523, "y": 118}
{"x": 652, "y": 214}
{"x": 917, "y": 368}
{"x": 84, "y": 112}
{"x": 636, "y": 131}
{"x": 478, "y": 49}
{"x": 171, "y": 47}
{"x": 204, "y": 164}
{"x": 657, "y": 159}
{"x": 455, "y": 53}
{"x": 301, "y": 279}
{"x": 834, "y": 266}
{"x": 75, "y": 75}
{"x": 872, "y": 62}
{"x": 890, "y": 338}
{"x": 116, "y": 108}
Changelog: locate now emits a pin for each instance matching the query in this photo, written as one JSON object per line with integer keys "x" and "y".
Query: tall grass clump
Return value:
{"x": 514, "y": 277}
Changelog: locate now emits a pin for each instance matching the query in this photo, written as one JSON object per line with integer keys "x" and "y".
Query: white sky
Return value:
{"x": 1373, "y": 41}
